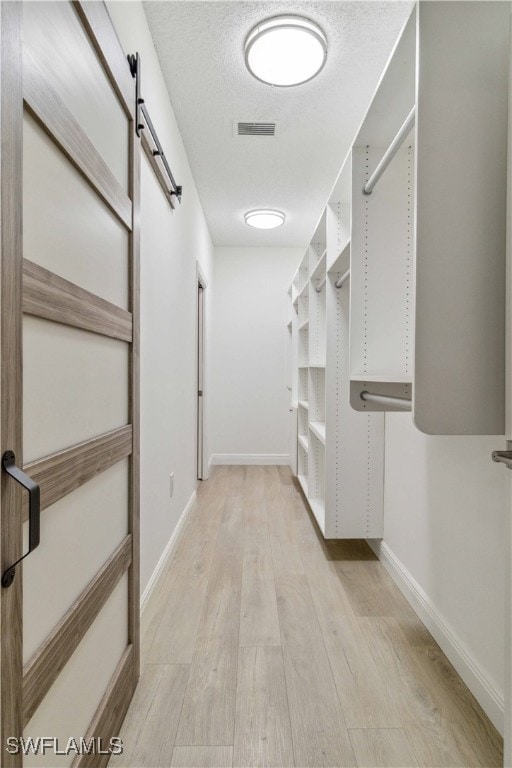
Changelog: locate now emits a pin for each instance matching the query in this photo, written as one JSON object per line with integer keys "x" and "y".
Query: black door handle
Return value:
{"x": 34, "y": 511}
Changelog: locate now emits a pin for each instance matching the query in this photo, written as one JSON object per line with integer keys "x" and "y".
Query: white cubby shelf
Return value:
{"x": 318, "y": 429}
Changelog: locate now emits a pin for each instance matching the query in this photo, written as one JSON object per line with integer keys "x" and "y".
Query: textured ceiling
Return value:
{"x": 200, "y": 48}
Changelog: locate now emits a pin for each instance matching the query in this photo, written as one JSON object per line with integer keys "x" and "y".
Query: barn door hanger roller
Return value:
{"x": 134, "y": 62}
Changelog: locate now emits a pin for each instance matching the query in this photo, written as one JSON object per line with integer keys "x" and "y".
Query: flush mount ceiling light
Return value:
{"x": 264, "y": 218}
{"x": 285, "y": 50}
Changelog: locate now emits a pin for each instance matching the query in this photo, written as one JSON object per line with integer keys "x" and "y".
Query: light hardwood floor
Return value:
{"x": 267, "y": 646}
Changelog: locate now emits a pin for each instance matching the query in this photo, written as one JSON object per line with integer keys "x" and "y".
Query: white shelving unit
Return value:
{"x": 334, "y": 442}
{"x": 400, "y": 296}
{"x": 428, "y": 243}
{"x": 291, "y": 375}
{"x": 354, "y": 441}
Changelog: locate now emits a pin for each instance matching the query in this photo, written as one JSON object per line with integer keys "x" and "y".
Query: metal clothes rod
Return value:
{"x": 398, "y": 402}
{"x": 320, "y": 284}
{"x": 390, "y": 152}
{"x": 342, "y": 279}
{"x": 176, "y": 189}
{"x": 505, "y": 457}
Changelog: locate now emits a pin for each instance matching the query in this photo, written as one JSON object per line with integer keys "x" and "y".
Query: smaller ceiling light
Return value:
{"x": 264, "y": 218}
{"x": 285, "y": 50}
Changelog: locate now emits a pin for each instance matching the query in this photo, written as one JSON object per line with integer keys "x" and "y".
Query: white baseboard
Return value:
{"x": 483, "y": 689}
{"x": 263, "y": 459}
{"x": 167, "y": 554}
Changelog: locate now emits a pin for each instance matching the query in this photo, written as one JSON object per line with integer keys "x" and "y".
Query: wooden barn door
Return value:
{"x": 69, "y": 631}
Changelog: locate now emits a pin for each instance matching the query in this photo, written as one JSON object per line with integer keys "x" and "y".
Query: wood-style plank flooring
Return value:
{"x": 267, "y": 646}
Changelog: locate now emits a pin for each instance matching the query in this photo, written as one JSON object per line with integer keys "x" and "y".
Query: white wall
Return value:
{"x": 445, "y": 510}
{"x": 250, "y": 401}
{"x": 171, "y": 242}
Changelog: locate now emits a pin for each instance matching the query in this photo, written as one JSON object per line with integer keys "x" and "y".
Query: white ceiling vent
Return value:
{"x": 254, "y": 129}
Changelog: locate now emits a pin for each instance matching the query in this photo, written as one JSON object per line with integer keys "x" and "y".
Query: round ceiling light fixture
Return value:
{"x": 264, "y": 218}
{"x": 285, "y": 50}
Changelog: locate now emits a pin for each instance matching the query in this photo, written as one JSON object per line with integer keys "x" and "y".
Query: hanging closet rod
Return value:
{"x": 397, "y": 402}
{"x": 390, "y": 152}
{"x": 342, "y": 279}
{"x": 320, "y": 284}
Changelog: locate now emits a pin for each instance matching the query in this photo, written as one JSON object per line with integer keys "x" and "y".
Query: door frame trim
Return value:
{"x": 11, "y": 257}
{"x": 202, "y": 471}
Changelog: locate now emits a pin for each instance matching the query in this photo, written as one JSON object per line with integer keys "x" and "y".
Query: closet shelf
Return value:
{"x": 342, "y": 261}
{"x": 317, "y": 365}
{"x": 319, "y": 271}
{"x": 304, "y": 404}
{"x": 383, "y": 379}
{"x": 318, "y": 429}
{"x": 304, "y": 325}
{"x": 304, "y": 442}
